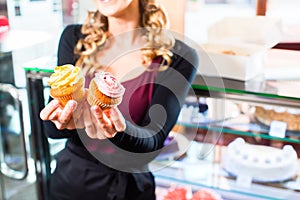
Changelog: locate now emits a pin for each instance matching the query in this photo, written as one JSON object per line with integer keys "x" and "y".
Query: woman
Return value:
{"x": 107, "y": 152}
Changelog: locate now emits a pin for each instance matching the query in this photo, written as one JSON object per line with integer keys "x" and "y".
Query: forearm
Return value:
{"x": 171, "y": 88}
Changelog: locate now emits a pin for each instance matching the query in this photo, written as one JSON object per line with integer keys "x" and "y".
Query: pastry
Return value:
{"x": 105, "y": 90}
{"x": 259, "y": 162}
{"x": 66, "y": 83}
{"x": 266, "y": 115}
{"x": 183, "y": 193}
{"x": 206, "y": 194}
{"x": 177, "y": 193}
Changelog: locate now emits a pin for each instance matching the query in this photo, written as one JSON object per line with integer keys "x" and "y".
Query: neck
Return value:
{"x": 126, "y": 21}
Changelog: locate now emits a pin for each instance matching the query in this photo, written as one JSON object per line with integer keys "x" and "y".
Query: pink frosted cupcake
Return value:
{"x": 105, "y": 90}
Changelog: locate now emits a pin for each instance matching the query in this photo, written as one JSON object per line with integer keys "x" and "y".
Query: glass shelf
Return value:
{"x": 255, "y": 130}
{"x": 41, "y": 67}
{"x": 210, "y": 175}
{"x": 279, "y": 92}
{"x": 43, "y": 64}
{"x": 38, "y": 70}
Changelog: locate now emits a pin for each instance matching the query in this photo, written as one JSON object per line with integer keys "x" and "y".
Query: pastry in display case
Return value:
{"x": 282, "y": 121}
{"x": 186, "y": 193}
{"x": 267, "y": 114}
{"x": 259, "y": 162}
{"x": 247, "y": 153}
{"x": 238, "y": 146}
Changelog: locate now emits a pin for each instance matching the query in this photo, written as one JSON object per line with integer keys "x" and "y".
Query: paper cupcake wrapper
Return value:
{"x": 93, "y": 101}
{"x": 76, "y": 95}
{"x": 63, "y": 100}
{"x": 77, "y": 92}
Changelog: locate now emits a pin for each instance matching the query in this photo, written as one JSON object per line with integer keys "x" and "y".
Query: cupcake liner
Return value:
{"x": 93, "y": 101}
{"x": 63, "y": 100}
{"x": 76, "y": 92}
{"x": 96, "y": 97}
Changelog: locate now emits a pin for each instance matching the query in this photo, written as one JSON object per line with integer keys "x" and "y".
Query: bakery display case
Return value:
{"x": 219, "y": 113}
{"x": 241, "y": 140}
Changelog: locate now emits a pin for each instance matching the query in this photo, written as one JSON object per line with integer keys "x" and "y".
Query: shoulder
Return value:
{"x": 73, "y": 28}
{"x": 72, "y": 32}
{"x": 184, "y": 64}
{"x": 185, "y": 56}
{"x": 68, "y": 40}
{"x": 182, "y": 48}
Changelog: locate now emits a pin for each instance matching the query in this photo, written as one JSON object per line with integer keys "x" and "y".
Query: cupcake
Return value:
{"x": 105, "y": 90}
{"x": 66, "y": 83}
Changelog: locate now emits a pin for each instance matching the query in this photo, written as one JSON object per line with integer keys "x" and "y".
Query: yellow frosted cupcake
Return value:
{"x": 105, "y": 90}
{"x": 66, "y": 83}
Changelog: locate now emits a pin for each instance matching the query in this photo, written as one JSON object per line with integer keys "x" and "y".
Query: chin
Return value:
{"x": 114, "y": 8}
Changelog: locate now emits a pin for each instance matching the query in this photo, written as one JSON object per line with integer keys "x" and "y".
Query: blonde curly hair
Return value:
{"x": 153, "y": 21}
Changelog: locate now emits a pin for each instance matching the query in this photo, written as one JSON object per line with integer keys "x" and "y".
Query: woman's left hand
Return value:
{"x": 103, "y": 124}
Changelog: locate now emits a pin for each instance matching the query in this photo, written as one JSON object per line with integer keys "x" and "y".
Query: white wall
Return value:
{"x": 199, "y": 18}
{"x": 84, "y": 7}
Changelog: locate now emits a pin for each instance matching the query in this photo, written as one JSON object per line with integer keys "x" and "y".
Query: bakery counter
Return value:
{"x": 261, "y": 111}
{"x": 211, "y": 174}
{"x": 257, "y": 121}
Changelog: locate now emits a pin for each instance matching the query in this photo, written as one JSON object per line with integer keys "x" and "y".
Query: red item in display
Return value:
{"x": 4, "y": 25}
{"x": 181, "y": 193}
{"x": 178, "y": 193}
{"x": 204, "y": 194}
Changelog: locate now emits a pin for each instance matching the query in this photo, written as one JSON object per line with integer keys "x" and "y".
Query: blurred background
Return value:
{"x": 29, "y": 34}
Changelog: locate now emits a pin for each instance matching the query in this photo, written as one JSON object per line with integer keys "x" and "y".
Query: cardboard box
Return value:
{"x": 240, "y": 62}
{"x": 236, "y": 47}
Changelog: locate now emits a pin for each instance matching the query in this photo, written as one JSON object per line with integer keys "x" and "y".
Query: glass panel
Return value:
{"x": 17, "y": 182}
{"x": 35, "y": 69}
{"x": 263, "y": 134}
{"x": 280, "y": 89}
{"x": 11, "y": 132}
{"x": 217, "y": 181}
{"x": 235, "y": 118}
{"x": 218, "y": 122}
{"x": 55, "y": 145}
{"x": 195, "y": 173}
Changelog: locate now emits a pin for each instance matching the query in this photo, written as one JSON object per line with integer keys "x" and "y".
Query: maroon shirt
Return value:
{"x": 138, "y": 89}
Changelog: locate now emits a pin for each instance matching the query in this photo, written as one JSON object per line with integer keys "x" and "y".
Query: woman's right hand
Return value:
{"x": 68, "y": 117}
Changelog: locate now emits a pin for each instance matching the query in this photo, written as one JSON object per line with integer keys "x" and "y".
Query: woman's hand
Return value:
{"x": 103, "y": 124}
{"x": 68, "y": 117}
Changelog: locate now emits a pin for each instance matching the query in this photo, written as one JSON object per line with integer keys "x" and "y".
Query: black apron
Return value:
{"x": 91, "y": 180}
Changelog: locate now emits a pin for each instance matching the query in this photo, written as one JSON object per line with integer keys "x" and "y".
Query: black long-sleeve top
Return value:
{"x": 170, "y": 88}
